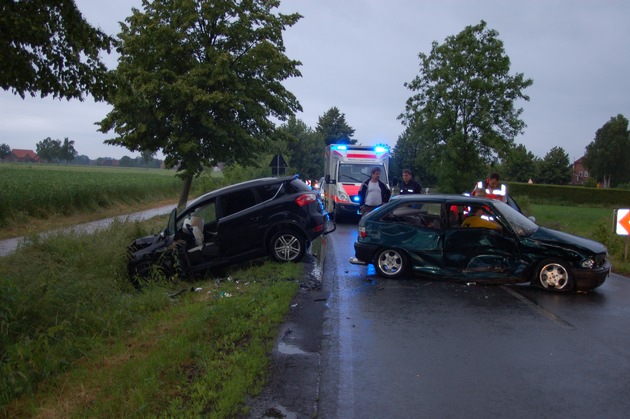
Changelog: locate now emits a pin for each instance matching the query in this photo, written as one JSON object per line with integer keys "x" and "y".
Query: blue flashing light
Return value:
{"x": 340, "y": 147}
{"x": 355, "y": 198}
{"x": 380, "y": 149}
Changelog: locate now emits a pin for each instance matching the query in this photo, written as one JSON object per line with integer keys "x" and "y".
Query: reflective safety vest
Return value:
{"x": 498, "y": 194}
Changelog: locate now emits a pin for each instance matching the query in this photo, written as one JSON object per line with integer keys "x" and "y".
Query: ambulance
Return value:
{"x": 346, "y": 167}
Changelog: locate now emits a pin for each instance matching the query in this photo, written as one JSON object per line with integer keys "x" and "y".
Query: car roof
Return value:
{"x": 242, "y": 185}
{"x": 446, "y": 198}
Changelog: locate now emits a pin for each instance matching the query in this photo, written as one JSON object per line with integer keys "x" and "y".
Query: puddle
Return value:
{"x": 279, "y": 411}
{"x": 287, "y": 349}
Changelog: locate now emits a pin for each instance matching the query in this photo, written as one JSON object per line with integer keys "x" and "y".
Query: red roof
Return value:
{"x": 21, "y": 154}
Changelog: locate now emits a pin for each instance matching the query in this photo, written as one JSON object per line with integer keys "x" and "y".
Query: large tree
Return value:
{"x": 47, "y": 47}
{"x": 304, "y": 147}
{"x": 200, "y": 81}
{"x": 608, "y": 155}
{"x": 555, "y": 168}
{"x": 48, "y": 149}
{"x": 414, "y": 151}
{"x": 464, "y": 97}
{"x": 333, "y": 127}
{"x": 519, "y": 164}
{"x": 67, "y": 151}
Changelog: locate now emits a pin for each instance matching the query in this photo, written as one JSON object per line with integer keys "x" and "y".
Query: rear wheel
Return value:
{"x": 554, "y": 275}
{"x": 287, "y": 246}
{"x": 390, "y": 263}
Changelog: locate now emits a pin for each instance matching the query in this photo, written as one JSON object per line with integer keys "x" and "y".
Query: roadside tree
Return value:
{"x": 608, "y": 155}
{"x": 200, "y": 81}
{"x": 47, "y": 47}
{"x": 464, "y": 98}
{"x": 555, "y": 168}
{"x": 334, "y": 129}
{"x": 519, "y": 164}
{"x": 414, "y": 151}
{"x": 305, "y": 148}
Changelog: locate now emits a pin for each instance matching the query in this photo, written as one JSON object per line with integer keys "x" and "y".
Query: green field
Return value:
{"x": 42, "y": 191}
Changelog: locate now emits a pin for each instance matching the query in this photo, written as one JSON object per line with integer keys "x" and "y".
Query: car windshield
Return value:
{"x": 359, "y": 172}
{"x": 521, "y": 225}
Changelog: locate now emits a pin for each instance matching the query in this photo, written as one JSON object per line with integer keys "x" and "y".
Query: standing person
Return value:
{"x": 489, "y": 186}
{"x": 373, "y": 192}
{"x": 409, "y": 185}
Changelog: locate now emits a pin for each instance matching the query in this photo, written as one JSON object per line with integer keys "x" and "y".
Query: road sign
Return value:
{"x": 622, "y": 222}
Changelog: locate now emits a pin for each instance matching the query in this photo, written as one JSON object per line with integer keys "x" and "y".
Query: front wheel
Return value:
{"x": 390, "y": 263}
{"x": 554, "y": 275}
{"x": 287, "y": 246}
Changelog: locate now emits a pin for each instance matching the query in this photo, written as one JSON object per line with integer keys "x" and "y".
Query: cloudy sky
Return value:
{"x": 357, "y": 55}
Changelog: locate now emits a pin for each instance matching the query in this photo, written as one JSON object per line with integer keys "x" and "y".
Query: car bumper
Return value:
{"x": 588, "y": 279}
{"x": 363, "y": 253}
{"x": 347, "y": 209}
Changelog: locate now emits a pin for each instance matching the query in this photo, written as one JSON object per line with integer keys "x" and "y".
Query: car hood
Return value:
{"x": 559, "y": 238}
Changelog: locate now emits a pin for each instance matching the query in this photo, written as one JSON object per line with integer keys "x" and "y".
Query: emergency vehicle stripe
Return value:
{"x": 351, "y": 189}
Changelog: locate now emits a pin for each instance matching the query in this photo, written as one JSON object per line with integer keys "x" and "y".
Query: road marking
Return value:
{"x": 548, "y": 314}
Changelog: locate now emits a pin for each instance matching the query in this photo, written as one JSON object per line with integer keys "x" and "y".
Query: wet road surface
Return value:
{"x": 426, "y": 349}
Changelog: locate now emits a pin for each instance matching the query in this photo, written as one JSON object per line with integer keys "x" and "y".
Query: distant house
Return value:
{"x": 580, "y": 171}
{"x": 22, "y": 156}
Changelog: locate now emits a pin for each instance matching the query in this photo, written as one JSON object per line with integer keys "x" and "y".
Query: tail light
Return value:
{"x": 362, "y": 232}
{"x": 305, "y": 199}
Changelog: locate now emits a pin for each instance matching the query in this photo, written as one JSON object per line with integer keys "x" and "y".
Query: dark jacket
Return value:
{"x": 409, "y": 188}
{"x": 385, "y": 192}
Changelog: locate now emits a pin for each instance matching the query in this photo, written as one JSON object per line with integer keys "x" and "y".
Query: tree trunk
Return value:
{"x": 183, "y": 198}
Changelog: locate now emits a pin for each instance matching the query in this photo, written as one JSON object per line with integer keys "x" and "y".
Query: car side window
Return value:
{"x": 267, "y": 192}
{"x": 207, "y": 212}
{"x": 418, "y": 214}
{"x": 237, "y": 201}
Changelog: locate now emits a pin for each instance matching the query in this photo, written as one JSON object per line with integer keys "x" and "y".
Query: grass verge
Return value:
{"x": 76, "y": 340}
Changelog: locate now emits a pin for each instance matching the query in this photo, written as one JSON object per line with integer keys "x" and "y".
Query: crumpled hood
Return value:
{"x": 559, "y": 238}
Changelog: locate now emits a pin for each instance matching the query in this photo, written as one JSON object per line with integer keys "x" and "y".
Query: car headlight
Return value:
{"x": 588, "y": 263}
{"x": 343, "y": 196}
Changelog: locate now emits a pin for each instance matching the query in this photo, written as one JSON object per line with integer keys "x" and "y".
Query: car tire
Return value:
{"x": 287, "y": 246}
{"x": 390, "y": 263}
{"x": 554, "y": 275}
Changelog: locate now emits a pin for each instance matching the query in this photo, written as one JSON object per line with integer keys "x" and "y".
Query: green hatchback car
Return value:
{"x": 477, "y": 240}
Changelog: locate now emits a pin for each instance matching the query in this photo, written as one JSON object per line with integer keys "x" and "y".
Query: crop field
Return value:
{"x": 41, "y": 191}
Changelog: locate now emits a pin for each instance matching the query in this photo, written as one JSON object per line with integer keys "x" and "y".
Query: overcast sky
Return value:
{"x": 357, "y": 55}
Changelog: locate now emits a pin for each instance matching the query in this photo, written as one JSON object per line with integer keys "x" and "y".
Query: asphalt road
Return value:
{"x": 418, "y": 348}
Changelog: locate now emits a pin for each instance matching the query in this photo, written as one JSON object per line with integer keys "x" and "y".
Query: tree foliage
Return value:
{"x": 608, "y": 155}
{"x": 200, "y": 81}
{"x": 519, "y": 165}
{"x": 305, "y": 148}
{"x": 414, "y": 151}
{"x": 5, "y": 151}
{"x": 47, "y": 47}
{"x": 54, "y": 151}
{"x": 334, "y": 129}
{"x": 555, "y": 168}
{"x": 464, "y": 98}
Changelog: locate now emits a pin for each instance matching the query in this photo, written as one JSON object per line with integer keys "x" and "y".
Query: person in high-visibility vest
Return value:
{"x": 491, "y": 188}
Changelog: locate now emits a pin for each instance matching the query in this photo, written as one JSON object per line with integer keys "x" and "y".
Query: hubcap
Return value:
{"x": 390, "y": 262}
{"x": 287, "y": 247}
{"x": 554, "y": 276}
